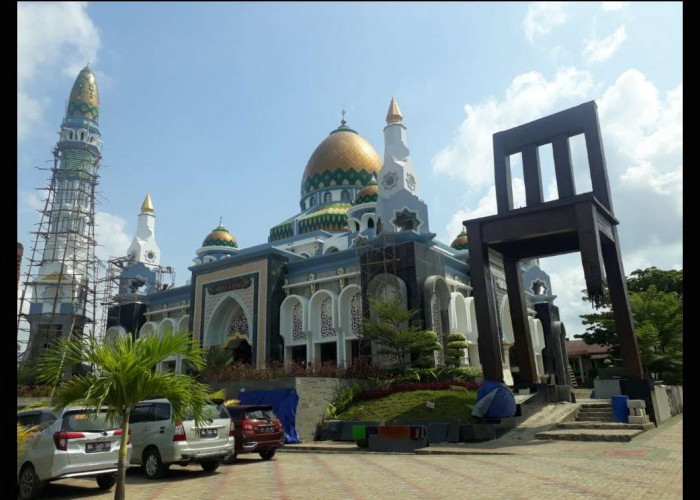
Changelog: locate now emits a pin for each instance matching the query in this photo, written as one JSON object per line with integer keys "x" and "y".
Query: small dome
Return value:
{"x": 332, "y": 217}
{"x": 344, "y": 158}
{"x": 461, "y": 242}
{"x": 369, "y": 193}
{"x": 220, "y": 237}
{"x": 84, "y": 97}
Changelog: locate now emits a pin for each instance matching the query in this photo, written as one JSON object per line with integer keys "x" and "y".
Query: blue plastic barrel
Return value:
{"x": 619, "y": 408}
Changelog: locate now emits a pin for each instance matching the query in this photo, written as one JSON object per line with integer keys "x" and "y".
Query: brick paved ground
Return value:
{"x": 647, "y": 467}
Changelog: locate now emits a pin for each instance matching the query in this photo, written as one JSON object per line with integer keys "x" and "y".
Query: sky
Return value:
{"x": 215, "y": 108}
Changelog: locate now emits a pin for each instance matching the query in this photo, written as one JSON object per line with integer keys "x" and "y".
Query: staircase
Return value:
{"x": 572, "y": 377}
{"x": 594, "y": 422}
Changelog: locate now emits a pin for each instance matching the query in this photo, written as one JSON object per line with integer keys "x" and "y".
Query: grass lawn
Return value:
{"x": 411, "y": 404}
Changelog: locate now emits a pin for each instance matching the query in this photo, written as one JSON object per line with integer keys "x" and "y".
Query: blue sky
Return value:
{"x": 215, "y": 108}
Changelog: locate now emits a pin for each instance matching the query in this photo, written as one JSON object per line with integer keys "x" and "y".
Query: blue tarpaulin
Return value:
{"x": 494, "y": 400}
{"x": 284, "y": 403}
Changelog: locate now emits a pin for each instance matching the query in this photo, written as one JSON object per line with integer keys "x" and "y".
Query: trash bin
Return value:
{"x": 619, "y": 408}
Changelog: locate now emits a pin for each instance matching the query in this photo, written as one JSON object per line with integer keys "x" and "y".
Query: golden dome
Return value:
{"x": 220, "y": 237}
{"x": 344, "y": 158}
{"x": 369, "y": 193}
{"x": 461, "y": 242}
{"x": 147, "y": 205}
{"x": 84, "y": 97}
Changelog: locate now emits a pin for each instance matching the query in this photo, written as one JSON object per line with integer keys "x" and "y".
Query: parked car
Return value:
{"x": 257, "y": 429}
{"x": 71, "y": 443}
{"x": 159, "y": 442}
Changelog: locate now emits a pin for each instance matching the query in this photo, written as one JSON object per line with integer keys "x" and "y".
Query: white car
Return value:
{"x": 71, "y": 443}
{"x": 159, "y": 442}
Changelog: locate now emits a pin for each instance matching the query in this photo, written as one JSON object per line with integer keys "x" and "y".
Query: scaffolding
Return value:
{"x": 58, "y": 293}
{"x": 115, "y": 291}
{"x": 374, "y": 257}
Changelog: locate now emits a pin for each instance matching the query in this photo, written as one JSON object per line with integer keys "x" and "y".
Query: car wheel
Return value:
{"x": 230, "y": 459}
{"x": 29, "y": 483}
{"x": 153, "y": 465}
{"x": 210, "y": 465}
{"x": 106, "y": 481}
{"x": 267, "y": 454}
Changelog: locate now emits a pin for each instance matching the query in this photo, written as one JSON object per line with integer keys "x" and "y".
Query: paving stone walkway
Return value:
{"x": 650, "y": 466}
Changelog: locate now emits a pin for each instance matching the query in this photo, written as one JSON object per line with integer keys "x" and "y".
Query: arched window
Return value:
{"x": 303, "y": 206}
{"x": 357, "y": 226}
{"x": 327, "y": 197}
{"x": 345, "y": 195}
{"x": 312, "y": 201}
{"x": 370, "y": 222}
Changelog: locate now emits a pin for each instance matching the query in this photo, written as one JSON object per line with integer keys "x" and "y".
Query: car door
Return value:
{"x": 140, "y": 424}
{"x": 163, "y": 428}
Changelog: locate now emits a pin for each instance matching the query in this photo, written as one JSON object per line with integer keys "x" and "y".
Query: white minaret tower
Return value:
{"x": 398, "y": 205}
{"x": 144, "y": 247}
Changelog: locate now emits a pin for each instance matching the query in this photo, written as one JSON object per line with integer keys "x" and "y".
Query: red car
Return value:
{"x": 257, "y": 430}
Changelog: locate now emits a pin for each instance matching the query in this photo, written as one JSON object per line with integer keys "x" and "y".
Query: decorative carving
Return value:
{"x": 297, "y": 331}
{"x": 356, "y": 314}
{"x": 232, "y": 284}
{"x": 410, "y": 182}
{"x": 327, "y": 329}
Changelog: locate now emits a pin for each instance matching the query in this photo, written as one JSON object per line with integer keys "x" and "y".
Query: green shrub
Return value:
{"x": 456, "y": 343}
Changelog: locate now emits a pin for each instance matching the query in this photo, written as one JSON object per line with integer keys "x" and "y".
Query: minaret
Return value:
{"x": 144, "y": 247}
{"x": 63, "y": 299}
{"x": 398, "y": 205}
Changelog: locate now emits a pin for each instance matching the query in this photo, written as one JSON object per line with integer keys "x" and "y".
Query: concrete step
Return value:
{"x": 594, "y": 403}
{"x": 620, "y": 435}
{"x": 604, "y": 425}
{"x": 595, "y": 418}
{"x": 595, "y": 413}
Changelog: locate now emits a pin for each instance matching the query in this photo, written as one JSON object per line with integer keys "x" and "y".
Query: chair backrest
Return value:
{"x": 554, "y": 129}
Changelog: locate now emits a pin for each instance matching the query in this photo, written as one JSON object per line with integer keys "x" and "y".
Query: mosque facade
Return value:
{"x": 362, "y": 230}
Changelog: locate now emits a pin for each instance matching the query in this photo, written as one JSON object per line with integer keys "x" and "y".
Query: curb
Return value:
{"x": 421, "y": 451}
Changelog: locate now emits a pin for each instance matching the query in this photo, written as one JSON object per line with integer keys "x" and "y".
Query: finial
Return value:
{"x": 394, "y": 114}
{"x": 147, "y": 205}
{"x": 221, "y": 221}
{"x": 343, "y": 122}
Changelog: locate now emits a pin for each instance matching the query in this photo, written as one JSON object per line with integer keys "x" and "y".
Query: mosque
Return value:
{"x": 361, "y": 230}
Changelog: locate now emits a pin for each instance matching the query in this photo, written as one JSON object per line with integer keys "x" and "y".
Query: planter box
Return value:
{"x": 398, "y": 438}
{"x": 439, "y": 431}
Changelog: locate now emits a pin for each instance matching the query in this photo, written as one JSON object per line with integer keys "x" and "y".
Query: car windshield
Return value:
{"x": 80, "y": 420}
{"x": 210, "y": 412}
{"x": 260, "y": 414}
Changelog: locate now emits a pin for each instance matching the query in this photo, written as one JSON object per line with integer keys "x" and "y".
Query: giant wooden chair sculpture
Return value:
{"x": 575, "y": 222}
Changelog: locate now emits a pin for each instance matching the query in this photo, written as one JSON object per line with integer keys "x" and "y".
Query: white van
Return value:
{"x": 159, "y": 442}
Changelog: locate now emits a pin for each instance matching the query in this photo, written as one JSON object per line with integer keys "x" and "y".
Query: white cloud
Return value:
{"x": 529, "y": 96}
{"x": 110, "y": 235}
{"x": 541, "y": 17}
{"x": 50, "y": 36}
{"x": 597, "y": 50}
{"x": 486, "y": 206}
{"x": 610, "y": 6}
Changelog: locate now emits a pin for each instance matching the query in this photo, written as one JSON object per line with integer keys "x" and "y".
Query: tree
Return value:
{"x": 456, "y": 343}
{"x": 396, "y": 337}
{"x": 124, "y": 375}
{"x": 656, "y": 301}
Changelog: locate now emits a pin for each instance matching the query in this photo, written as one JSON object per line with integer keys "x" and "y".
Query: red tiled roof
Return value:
{"x": 580, "y": 348}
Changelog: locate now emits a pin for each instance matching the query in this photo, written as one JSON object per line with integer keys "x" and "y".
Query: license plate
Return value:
{"x": 267, "y": 429}
{"x": 96, "y": 447}
{"x": 209, "y": 433}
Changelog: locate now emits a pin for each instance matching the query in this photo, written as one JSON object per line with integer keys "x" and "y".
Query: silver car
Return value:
{"x": 71, "y": 443}
{"x": 159, "y": 442}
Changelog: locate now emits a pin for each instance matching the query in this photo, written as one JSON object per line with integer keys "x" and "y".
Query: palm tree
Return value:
{"x": 124, "y": 374}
